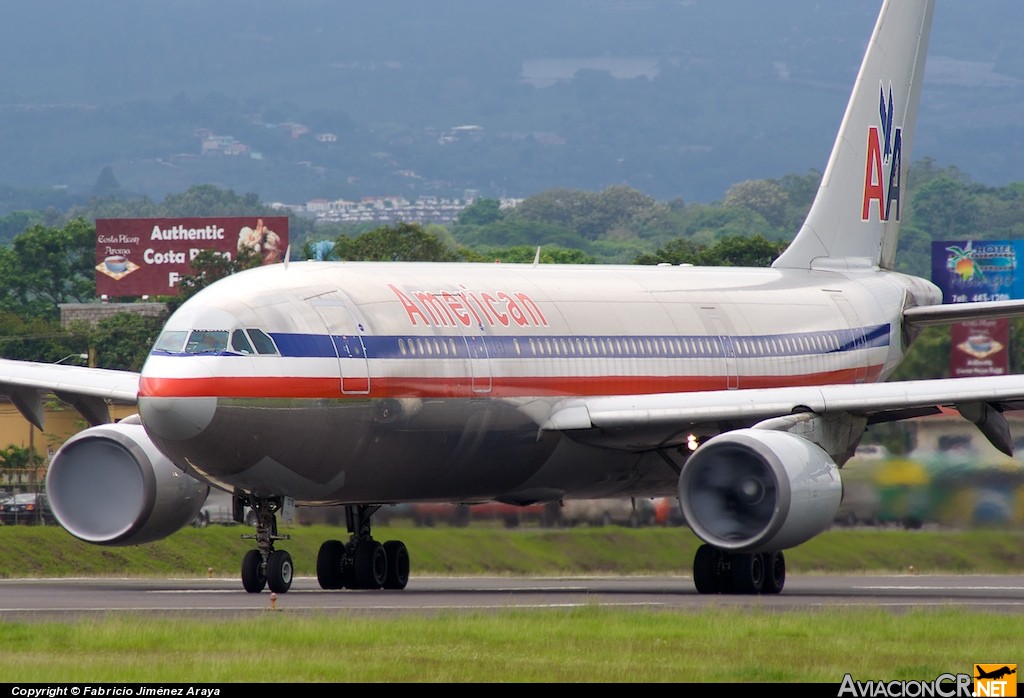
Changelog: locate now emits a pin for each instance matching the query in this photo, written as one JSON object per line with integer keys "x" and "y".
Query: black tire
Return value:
{"x": 774, "y": 572}
{"x": 202, "y": 520}
{"x": 329, "y": 563}
{"x": 254, "y": 573}
{"x": 398, "y": 565}
{"x": 705, "y": 570}
{"x": 371, "y": 565}
{"x": 747, "y": 573}
{"x": 280, "y": 571}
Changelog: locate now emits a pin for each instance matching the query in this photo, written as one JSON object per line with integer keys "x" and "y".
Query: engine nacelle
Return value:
{"x": 110, "y": 485}
{"x": 754, "y": 490}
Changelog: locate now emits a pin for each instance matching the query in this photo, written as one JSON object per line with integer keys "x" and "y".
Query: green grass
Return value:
{"x": 717, "y": 644}
{"x": 581, "y": 645}
{"x": 49, "y": 551}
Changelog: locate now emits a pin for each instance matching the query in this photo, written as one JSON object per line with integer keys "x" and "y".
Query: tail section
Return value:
{"x": 854, "y": 220}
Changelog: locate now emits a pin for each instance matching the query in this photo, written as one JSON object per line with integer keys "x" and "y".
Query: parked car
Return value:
{"x": 667, "y": 512}
{"x": 26, "y": 508}
{"x": 510, "y": 515}
{"x": 613, "y": 511}
{"x": 218, "y": 509}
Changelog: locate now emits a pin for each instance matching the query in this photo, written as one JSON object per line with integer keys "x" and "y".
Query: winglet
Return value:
{"x": 854, "y": 220}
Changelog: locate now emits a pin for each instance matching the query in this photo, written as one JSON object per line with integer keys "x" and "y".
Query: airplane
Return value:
{"x": 742, "y": 391}
{"x": 994, "y": 674}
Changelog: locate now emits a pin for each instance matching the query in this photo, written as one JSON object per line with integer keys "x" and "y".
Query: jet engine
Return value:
{"x": 755, "y": 490}
{"x": 110, "y": 485}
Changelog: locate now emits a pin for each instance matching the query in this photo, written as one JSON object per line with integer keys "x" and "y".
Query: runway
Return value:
{"x": 67, "y": 599}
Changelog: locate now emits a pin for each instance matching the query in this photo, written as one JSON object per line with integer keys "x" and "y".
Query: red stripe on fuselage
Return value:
{"x": 500, "y": 386}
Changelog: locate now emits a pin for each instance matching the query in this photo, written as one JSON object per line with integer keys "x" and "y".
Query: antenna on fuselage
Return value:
{"x": 287, "y": 255}
{"x": 536, "y": 257}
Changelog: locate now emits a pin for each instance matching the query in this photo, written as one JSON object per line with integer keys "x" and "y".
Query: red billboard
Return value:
{"x": 148, "y": 256}
{"x": 979, "y": 348}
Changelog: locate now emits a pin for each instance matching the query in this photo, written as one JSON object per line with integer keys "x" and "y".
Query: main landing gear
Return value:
{"x": 717, "y": 571}
{"x": 362, "y": 563}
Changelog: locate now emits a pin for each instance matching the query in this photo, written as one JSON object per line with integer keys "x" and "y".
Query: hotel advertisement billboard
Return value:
{"x": 978, "y": 270}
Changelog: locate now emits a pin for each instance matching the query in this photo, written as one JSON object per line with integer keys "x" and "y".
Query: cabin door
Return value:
{"x": 346, "y": 335}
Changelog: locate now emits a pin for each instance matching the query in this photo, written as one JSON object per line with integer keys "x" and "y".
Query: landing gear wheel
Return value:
{"x": 279, "y": 571}
{"x": 707, "y": 570}
{"x": 774, "y": 572}
{"x": 254, "y": 573}
{"x": 329, "y": 562}
{"x": 747, "y": 573}
{"x": 398, "y": 565}
{"x": 371, "y": 565}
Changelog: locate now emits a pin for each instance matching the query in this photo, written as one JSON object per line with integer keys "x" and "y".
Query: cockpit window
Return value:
{"x": 264, "y": 344}
{"x": 170, "y": 341}
{"x": 240, "y": 343}
{"x": 205, "y": 341}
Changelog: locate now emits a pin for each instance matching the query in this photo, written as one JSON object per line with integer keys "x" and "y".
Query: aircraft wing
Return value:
{"x": 946, "y": 313}
{"x": 88, "y": 390}
{"x": 646, "y": 422}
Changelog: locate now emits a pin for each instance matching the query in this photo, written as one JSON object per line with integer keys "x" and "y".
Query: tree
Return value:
{"x": 732, "y": 251}
{"x": 14, "y": 459}
{"x": 36, "y": 338}
{"x": 123, "y": 340}
{"x": 945, "y": 208}
{"x": 46, "y": 266}
{"x": 208, "y": 200}
{"x": 402, "y": 242}
{"x": 738, "y": 251}
{"x": 16, "y": 223}
{"x": 525, "y": 254}
{"x": 678, "y": 251}
{"x": 106, "y": 184}
{"x": 761, "y": 196}
{"x": 590, "y": 215}
{"x": 481, "y": 212}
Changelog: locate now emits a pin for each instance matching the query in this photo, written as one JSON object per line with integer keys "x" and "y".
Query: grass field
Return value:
{"x": 49, "y": 551}
{"x": 583, "y": 645}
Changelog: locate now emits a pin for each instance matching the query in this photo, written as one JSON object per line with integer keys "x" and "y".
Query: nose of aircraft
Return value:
{"x": 176, "y": 418}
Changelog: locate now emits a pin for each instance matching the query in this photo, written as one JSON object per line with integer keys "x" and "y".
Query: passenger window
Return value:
{"x": 262, "y": 341}
{"x": 240, "y": 343}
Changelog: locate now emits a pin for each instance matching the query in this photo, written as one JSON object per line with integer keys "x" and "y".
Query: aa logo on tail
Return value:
{"x": 882, "y": 170}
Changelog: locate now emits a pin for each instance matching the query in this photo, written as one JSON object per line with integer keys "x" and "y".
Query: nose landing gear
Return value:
{"x": 264, "y": 566}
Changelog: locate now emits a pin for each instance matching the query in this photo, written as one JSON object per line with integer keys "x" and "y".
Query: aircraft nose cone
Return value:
{"x": 177, "y": 418}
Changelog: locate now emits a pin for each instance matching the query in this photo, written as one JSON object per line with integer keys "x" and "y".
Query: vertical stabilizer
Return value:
{"x": 854, "y": 220}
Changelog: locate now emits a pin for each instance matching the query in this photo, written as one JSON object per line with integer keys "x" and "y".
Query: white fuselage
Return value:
{"x": 425, "y": 381}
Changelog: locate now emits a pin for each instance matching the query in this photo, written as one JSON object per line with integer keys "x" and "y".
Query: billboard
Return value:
{"x": 148, "y": 256}
{"x": 978, "y": 270}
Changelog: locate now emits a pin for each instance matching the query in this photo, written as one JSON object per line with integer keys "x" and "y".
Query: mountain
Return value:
{"x": 319, "y": 99}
